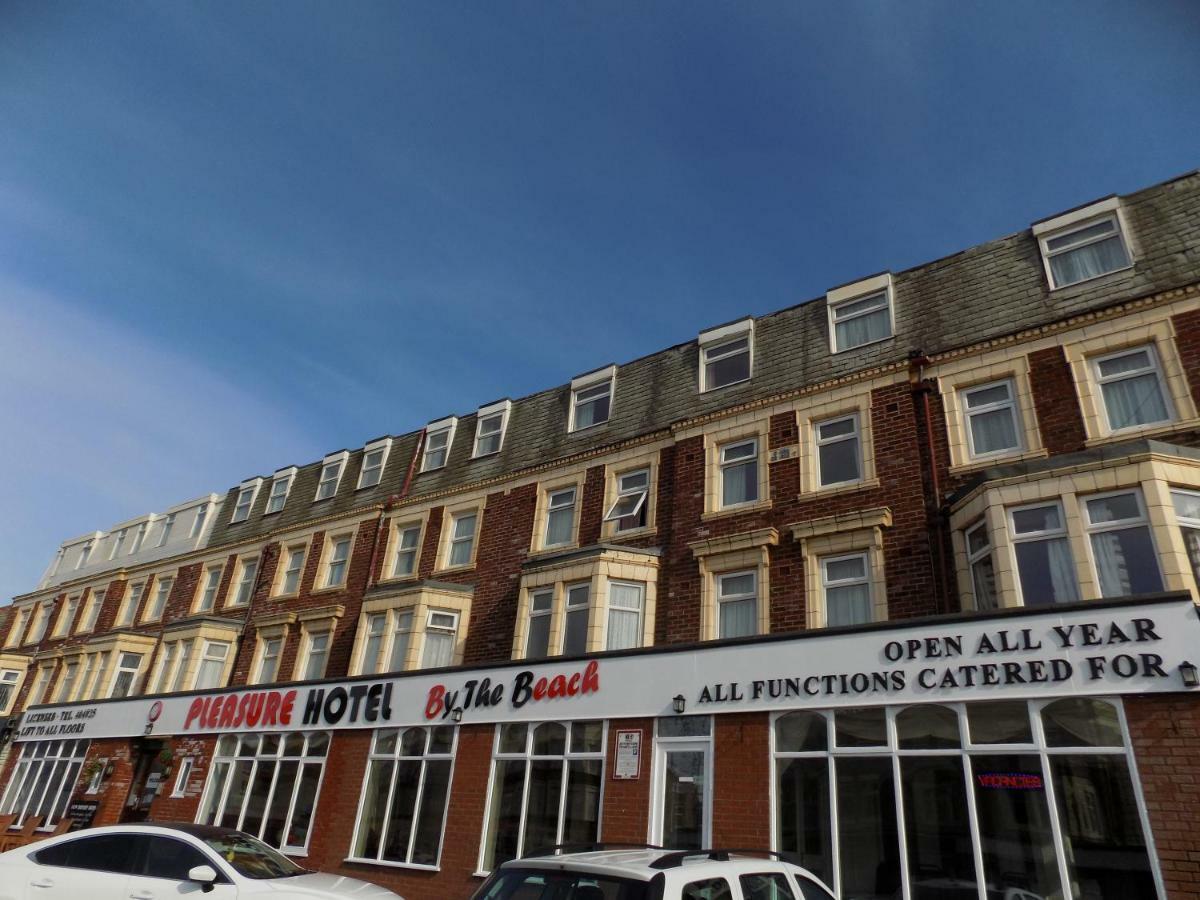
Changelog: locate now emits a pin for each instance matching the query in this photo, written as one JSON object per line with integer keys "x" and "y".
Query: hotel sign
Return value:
{"x": 1128, "y": 648}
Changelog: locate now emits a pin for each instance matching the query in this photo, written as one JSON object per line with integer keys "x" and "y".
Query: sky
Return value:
{"x": 237, "y": 236}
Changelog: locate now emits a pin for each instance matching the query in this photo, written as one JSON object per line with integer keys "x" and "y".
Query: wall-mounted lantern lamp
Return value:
{"x": 456, "y": 714}
{"x": 679, "y": 703}
{"x": 1190, "y": 674}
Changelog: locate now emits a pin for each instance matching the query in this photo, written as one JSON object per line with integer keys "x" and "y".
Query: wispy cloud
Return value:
{"x": 101, "y": 424}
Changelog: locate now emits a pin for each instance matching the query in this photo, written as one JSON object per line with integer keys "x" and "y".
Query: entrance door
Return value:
{"x": 683, "y": 773}
{"x": 147, "y": 775}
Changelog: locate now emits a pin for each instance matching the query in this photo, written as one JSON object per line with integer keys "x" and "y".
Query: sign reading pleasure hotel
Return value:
{"x": 1097, "y": 648}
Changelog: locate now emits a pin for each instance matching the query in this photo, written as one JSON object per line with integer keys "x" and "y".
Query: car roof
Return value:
{"x": 200, "y": 832}
{"x": 643, "y": 863}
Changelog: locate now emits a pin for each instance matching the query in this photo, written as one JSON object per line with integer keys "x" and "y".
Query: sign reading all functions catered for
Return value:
{"x": 1085, "y": 649}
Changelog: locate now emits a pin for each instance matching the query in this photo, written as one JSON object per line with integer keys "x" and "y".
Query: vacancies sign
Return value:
{"x": 1128, "y": 648}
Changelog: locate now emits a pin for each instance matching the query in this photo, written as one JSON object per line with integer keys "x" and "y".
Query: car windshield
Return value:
{"x": 252, "y": 858}
{"x": 538, "y": 884}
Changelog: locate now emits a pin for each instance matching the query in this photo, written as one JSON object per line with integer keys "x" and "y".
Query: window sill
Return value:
{"x": 332, "y": 589}
{"x": 837, "y": 350}
{"x": 1126, "y": 434}
{"x": 293, "y": 595}
{"x": 721, "y": 387}
{"x": 398, "y": 579}
{"x": 1001, "y": 459}
{"x": 387, "y": 863}
{"x": 631, "y": 533}
{"x": 538, "y": 552}
{"x": 837, "y": 489}
{"x": 449, "y": 570}
{"x": 756, "y": 506}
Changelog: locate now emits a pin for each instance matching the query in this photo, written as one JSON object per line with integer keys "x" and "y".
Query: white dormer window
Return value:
{"x": 117, "y": 540}
{"x": 84, "y": 553}
{"x": 491, "y": 423}
{"x": 245, "y": 499}
{"x": 375, "y": 456}
{"x": 591, "y": 398}
{"x": 198, "y": 522}
{"x": 726, "y": 355}
{"x": 860, "y": 313}
{"x": 165, "y": 534}
{"x": 281, "y": 486}
{"x": 439, "y": 436}
{"x": 1084, "y": 244}
{"x": 331, "y": 475}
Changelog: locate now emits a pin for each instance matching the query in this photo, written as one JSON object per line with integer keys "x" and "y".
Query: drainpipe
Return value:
{"x": 921, "y": 388}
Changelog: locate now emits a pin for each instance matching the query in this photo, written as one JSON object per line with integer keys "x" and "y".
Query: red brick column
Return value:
{"x": 627, "y": 802}
{"x": 741, "y": 781}
{"x": 1055, "y": 401}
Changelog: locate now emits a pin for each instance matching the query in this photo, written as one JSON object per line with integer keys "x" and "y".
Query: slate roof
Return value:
{"x": 983, "y": 292}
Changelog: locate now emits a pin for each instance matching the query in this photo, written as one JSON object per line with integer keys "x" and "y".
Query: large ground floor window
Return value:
{"x": 267, "y": 786}
{"x": 403, "y": 806}
{"x": 545, "y": 788}
{"x": 42, "y": 781}
{"x": 992, "y": 799}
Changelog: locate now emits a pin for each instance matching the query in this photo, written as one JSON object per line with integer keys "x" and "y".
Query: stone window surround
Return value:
{"x": 844, "y": 533}
{"x": 613, "y": 470}
{"x": 396, "y": 524}
{"x": 421, "y": 598}
{"x": 477, "y": 505}
{"x": 115, "y": 644}
{"x": 194, "y": 632}
{"x": 960, "y": 375}
{"x": 1093, "y": 213}
{"x": 325, "y": 554}
{"x": 734, "y": 553}
{"x": 322, "y": 620}
{"x": 1153, "y": 474}
{"x": 597, "y": 565}
{"x": 734, "y": 430}
{"x": 247, "y": 556}
{"x": 834, "y": 404}
{"x": 215, "y": 562}
{"x": 150, "y": 597}
{"x": 542, "y": 512}
{"x": 20, "y": 663}
{"x": 267, "y": 628}
{"x": 1161, "y": 334}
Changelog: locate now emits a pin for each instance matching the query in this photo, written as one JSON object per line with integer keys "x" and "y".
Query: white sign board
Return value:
{"x": 1127, "y": 648}
{"x": 629, "y": 756}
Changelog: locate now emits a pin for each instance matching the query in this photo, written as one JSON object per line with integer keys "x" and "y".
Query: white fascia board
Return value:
{"x": 384, "y": 443}
{"x": 343, "y": 455}
{"x": 1091, "y": 211}
{"x": 860, "y": 288}
{"x": 254, "y": 482}
{"x": 442, "y": 424}
{"x": 587, "y": 379}
{"x": 726, "y": 332}
{"x": 504, "y": 406}
{"x": 286, "y": 470}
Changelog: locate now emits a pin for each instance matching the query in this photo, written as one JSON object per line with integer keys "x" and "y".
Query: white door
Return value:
{"x": 683, "y": 801}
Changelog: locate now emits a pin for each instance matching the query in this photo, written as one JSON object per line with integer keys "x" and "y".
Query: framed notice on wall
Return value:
{"x": 628, "y": 766}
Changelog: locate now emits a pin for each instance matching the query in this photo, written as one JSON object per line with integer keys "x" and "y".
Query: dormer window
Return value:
{"x": 860, "y": 313}
{"x": 375, "y": 455}
{"x": 280, "y": 488}
{"x": 331, "y": 475}
{"x": 1084, "y": 244}
{"x": 591, "y": 398}
{"x": 84, "y": 553}
{"x": 726, "y": 355}
{"x": 198, "y": 522}
{"x": 165, "y": 534}
{"x": 491, "y": 423}
{"x": 439, "y": 436}
{"x": 245, "y": 499}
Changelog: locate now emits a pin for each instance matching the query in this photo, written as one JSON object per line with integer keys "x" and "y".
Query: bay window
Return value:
{"x": 1132, "y": 388}
{"x": 1045, "y": 567}
{"x": 1187, "y": 511}
{"x": 405, "y": 796}
{"x": 575, "y": 628}
{"x": 983, "y": 568}
{"x": 127, "y": 668}
{"x": 625, "y": 603}
{"x": 1122, "y": 548}
{"x": 441, "y": 638}
{"x": 541, "y": 610}
{"x": 267, "y": 786}
{"x": 211, "y": 671}
{"x": 9, "y": 681}
{"x": 545, "y": 788}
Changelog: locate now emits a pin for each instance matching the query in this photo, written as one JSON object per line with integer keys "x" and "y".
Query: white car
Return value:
{"x": 646, "y": 873}
{"x": 149, "y": 861}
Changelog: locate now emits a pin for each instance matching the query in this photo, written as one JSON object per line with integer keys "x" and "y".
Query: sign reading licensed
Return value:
{"x": 1129, "y": 648}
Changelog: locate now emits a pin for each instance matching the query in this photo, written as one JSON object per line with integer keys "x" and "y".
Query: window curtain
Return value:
{"x": 1090, "y": 261}
{"x": 1125, "y": 562}
{"x": 1134, "y": 401}
{"x": 1062, "y": 571}
{"x": 1191, "y": 540}
{"x": 848, "y": 605}
{"x": 560, "y": 525}
{"x": 863, "y": 329}
{"x": 624, "y": 616}
{"x": 738, "y": 618}
{"x": 439, "y": 650}
{"x": 993, "y": 431}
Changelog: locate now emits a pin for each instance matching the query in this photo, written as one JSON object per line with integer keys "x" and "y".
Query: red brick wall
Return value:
{"x": 1055, "y": 401}
{"x": 1187, "y": 341}
{"x": 626, "y": 812}
{"x": 741, "y": 780}
{"x": 1165, "y": 730}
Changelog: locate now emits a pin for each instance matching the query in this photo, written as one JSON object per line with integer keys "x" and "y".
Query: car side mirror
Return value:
{"x": 204, "y": 876}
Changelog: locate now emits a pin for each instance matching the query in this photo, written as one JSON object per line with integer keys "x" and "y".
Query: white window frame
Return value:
{"x": 396, "y": 620}
{"x": 91, "y": 611}
{"x": 186, "y": 765}
{"x": 399, "y": 531}
{"x": 723, "y": 598}
{"x": 333, "y": 467}
{"x": 330, "y": 559}
{"x": 244, "y": 502}
{"x": 289, "y": 555}
{"x": 127, "y": 614}
{"x": 453, "y": 538}
{"x": 281, "y": 487}
{"x": 20, "y": 622}
{"x": 447, "y": 427}
{"x": 974, "y": 557}
{"x": 119, "y": 669}
{"x": 1155, "y": 368}
{"x": 855, "y": 436}
{"x": 824, "y": 561}
{"x": 260, "y": 663}
{"x": 570, "y": 508}
{"x": 1016, "y": 538}
{"x": 163, "y": 585}
{"x": 210, "y": 587}
{"x": 723, "y": 464}
{"x": 534, "y": 613}
{"x": 588, "y": 384}
{"x": 640, "y": 505}
{"x": 1071, "y": 223}
{"x": 66, "y": 615}
{"x": 206, "y": 657}
{"x": 1014, "y": 412}
{"x": 383, "y": 448}
{"x": 499, "y": 410}
{"x": 200, "y": 518}
{"x": 117, "y": 540}
{"x": 611, "y": 607}
{"x": 248, "y": 564}
{"x": 138, "y": 537}
{"x": 714, "y": 347}
{"x": 85, "y": 553}
{"x": 857, "y": 292}
{"x": 310, "y": 636}
{"x": 41, "y": 624}
{"x": 1141, "y": 520}
{"x": 439, "y": 628}
{"x": 168, "y": 523}
{"x": 62, "y": 761}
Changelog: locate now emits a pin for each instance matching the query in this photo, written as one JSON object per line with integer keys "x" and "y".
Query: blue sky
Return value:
{"x": 236, "y": 236}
